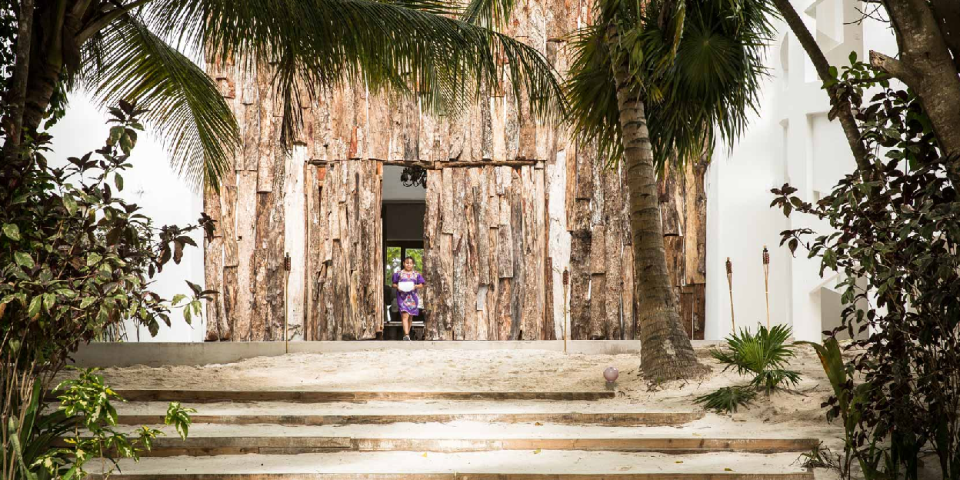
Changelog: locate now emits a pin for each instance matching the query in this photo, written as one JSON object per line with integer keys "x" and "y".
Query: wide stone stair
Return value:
{"x": 336, "y": 435}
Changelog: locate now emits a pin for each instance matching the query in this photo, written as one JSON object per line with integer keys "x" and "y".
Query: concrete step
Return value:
{"x": 501, "y": 465}
{"x": 428, "y": 411}
{"x": 203, "y": 396}
{"x": 206, "y": 439}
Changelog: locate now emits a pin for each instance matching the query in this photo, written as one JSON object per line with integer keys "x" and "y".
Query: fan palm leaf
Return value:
{"x": 697, "y": 66}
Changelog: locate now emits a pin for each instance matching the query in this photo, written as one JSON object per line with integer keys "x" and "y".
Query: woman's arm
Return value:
{"x": 420, "y": 282}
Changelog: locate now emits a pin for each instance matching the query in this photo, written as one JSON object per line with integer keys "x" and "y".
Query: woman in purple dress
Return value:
{"x": 408, "y": 282}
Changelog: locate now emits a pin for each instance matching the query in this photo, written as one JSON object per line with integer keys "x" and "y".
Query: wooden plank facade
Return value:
{"x": 526, "y": 234}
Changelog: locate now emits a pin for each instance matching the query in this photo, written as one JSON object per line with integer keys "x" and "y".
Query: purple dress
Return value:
{"x": 408, "y": 301}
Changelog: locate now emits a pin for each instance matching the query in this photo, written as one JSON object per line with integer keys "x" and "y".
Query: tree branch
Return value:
{"x": 13, "y": 125}
{"x": 844, "y": 115}
{"x": 893, "y": 67}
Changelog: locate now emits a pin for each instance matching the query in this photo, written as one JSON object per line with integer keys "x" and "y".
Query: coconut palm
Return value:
{"x": 656, "y": 81}
{"x": 131, "y": 50}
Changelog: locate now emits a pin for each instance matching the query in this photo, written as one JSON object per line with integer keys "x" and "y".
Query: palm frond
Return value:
{"x": 714, "y": 86}
{"x": 727, "y": 399}
{"x": 126, "y": 61}
{"x": 493, "y": 14}
{"x": 402, "y": 46}
{"x": 696, "y": 64}
{"x": 592, "y": 93}
{"x": 765, "y": 355}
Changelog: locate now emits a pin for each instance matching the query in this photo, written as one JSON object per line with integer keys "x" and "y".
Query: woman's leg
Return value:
{"x": 405, "y": 318}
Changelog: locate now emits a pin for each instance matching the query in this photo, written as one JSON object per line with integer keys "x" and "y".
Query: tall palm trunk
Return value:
{"x": 666, "y": 352}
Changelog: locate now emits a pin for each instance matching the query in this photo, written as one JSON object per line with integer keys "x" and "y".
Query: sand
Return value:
{"x": 455, "y": 370}
{"x": 795, "y": 414}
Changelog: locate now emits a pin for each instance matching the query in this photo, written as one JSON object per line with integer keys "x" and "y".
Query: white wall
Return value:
{"x": 153, "y": 185}
{"x": 790, "y": 140}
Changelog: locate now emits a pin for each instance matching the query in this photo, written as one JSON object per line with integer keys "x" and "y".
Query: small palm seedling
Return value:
{"x": 764, "y": 355}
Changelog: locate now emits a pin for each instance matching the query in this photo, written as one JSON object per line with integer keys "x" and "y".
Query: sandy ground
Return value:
{"x": 454, "y": 370}
{"x": 516, "y": 462}
{"x": 782, "y": 415}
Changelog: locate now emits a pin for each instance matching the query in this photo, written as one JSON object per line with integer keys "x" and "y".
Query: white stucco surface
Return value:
{"x": 154, "y": 185}
{"x": 790, "y": 140}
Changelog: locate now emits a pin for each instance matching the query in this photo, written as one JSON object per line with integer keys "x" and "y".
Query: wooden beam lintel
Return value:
{"x": 520, "y": 162}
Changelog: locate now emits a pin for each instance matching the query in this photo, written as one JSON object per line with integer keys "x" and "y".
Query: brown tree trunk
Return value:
{"x": 16, "y": 97}
{"x": 844, "y": 115}
{"x": 926, "y": 66}
{"x": 666, "y": 352}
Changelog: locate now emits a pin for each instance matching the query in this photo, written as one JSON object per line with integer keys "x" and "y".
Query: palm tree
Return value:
{"x": 131, "y": 50}
{"x": 657, "y": 81}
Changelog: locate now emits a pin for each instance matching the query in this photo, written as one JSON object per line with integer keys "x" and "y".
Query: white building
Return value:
{"x": 789, "y": 141}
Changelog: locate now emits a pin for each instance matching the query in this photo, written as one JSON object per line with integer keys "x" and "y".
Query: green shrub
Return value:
{"x": 763, "y": 355}
{"x": 894, "y": 238}
{"x": 76, "y": 261}
{"x": 85, "y": 422}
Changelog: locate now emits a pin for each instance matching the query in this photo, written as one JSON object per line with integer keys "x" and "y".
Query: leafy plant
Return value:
{"x": 819, "y": 457}
{"x": 894, "y": 229}
{"x": 728, "y": 399}
{"x": 86, "y": 410}
{"x": 764, "y": 355}
{"x": 76, "y": 262}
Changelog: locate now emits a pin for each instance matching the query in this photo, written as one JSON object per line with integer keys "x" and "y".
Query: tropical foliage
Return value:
{"x": 728, "y": 399}
{"x": 58, "y": 444}
{"x": 131, "y": 50}
{"x": 76, "y": 262}
{"x": 697, "y": 66}
{"x": 656, "y": 81}
{"x": 764, "y": 355}
{"x": 899, "y": 390}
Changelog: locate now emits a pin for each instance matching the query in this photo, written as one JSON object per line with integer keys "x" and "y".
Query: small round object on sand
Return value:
{"x": 611, "y": 374}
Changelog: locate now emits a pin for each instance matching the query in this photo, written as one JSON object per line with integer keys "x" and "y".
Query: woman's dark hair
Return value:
{"x": 409, "y": 258}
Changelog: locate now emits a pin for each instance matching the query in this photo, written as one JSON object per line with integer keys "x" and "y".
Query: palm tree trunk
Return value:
{"x": 666, "y": 352}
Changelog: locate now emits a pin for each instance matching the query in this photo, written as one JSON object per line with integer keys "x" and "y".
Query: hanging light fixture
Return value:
{"x": 413, "y": 176}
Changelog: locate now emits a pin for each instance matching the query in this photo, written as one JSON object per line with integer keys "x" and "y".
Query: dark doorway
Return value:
{"x": 403, "y": 211}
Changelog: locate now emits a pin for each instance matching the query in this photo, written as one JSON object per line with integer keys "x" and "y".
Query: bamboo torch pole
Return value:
{"x": 286, "y": 277}
{"x": 730, "y": 284}
{"x": 566, "y": 308}
{"x": 766, "y": 281}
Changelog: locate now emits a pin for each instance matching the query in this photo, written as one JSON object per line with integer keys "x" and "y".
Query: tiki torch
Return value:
{"x": 566, "y": 308}
{"x": 730, "y": 284}
{"x": 766, "y": 281}
{"x": 287, "y": 264}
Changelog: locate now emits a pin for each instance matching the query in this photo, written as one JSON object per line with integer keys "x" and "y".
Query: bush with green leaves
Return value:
{"x": 85, "y": 427}
{"x": 76, "y": 262}
{"x": 764, "y": 355}
{"x": 895, "y": 229}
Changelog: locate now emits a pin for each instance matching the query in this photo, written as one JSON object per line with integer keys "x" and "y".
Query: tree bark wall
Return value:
{"x": 683, "y": 211}
{"x": 497, "y": 238}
